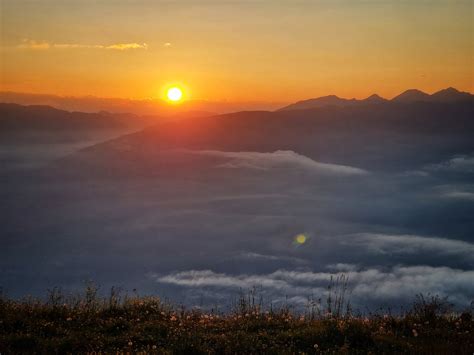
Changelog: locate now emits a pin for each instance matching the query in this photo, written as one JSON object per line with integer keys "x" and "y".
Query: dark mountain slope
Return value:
{"x": 36, "y": 117}
{"x": 387, "y": 136}
{"x": 412, "y": 95}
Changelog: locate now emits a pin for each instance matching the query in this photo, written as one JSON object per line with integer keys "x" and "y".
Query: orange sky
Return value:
{"x": 267, "y": 50}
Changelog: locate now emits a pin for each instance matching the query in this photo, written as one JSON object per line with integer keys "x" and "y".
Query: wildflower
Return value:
{"x": 130, "y": 343}
{"x": 415, "y": 333}
{"x": 154, "y": 347}
{"x": 316, "y": 346}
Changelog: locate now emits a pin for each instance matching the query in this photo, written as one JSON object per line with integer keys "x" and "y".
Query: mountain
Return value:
{"x": 37, "y": 123}
{"x": 449, "y": 95}
{"x": 412, "y": 95}
{"x": 385, "y": 136}
{"x": 374, "y": 99}
{"x": 151, "y": 106}
{"x": 330, "y": 100}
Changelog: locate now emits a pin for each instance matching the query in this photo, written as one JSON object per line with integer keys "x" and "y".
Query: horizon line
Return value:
{"x": 222, "y": 101}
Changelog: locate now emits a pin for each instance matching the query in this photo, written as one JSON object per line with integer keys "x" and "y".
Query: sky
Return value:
{"x": 235, "y": 51}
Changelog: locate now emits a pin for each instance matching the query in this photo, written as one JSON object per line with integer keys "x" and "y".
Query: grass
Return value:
{"x": 146, "y": 325}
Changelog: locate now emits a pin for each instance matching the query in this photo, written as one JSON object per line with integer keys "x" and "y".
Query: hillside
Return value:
{"x": 384, "y": 136}
{"x": 148, "y": 325}
{"x": 15, "y": 117}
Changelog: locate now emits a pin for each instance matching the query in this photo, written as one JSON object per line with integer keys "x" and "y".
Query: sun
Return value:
{"x": 174, "y": 94}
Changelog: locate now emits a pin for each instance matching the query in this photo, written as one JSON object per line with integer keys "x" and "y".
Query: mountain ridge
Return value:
{"x": 448, "y": 95}
{"x": 372, "y": 137}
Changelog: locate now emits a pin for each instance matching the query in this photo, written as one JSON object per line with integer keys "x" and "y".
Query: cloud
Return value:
{"x": 279, "y": 159}
{"x": 43, "y": 45}
{"x": 75, "y": 46}
{"x": 202, "y": 278}
{"x": 342, "y": 267}
{"x": 32, "y": 44}
{"x": 411, "y": 244}
{"x": 459, "y": 164}
{"x": 125, "y": 46}
{"x": 464, "y": 195}
{"x": 455, "y": 191}
{"x": 399, "y": 282}
{"x": 266, "y": 257}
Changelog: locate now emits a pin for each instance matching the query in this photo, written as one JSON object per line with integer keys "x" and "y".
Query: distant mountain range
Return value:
{"x": 293, "y": 127}
{"x": 382, "y": 136}
{"x": 152, "y": 106}
{"x": 39, "y": 117}
{"x": 45, "y": 124}
{"x": 18, "y": 118}
{"x": 449, "y": 95}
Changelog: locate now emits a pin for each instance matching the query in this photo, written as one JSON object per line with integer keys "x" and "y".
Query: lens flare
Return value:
{"x": 300, "y": 239}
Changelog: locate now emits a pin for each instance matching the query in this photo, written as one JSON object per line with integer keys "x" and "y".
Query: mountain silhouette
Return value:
{"x": 449, "y": 95}
{"x": 38, "y": 123}
{"x": 330, "y": 100}
{"x": 374, "y": 99}
{"x": 412, "y": 95}
{"x": 39, "y": 117}
{"x": 386, "y": 136}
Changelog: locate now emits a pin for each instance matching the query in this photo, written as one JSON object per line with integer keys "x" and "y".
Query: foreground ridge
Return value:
{"x": 149, "y": 325}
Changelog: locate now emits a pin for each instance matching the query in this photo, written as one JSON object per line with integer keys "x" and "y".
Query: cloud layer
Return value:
{"x": 411, "y": 244}
{"x": 374, "y": 284}
{"x": 463, "y": 163}
{"x": 213, "y": 223}
{"x": 279, "y": 159}
{"x": 44, "y": 45}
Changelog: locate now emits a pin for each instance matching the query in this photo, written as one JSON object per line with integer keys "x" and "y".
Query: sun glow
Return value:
{"x": 174, "y": 94}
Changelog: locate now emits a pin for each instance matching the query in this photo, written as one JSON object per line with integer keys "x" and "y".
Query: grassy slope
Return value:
{"x": 146, "y": 325}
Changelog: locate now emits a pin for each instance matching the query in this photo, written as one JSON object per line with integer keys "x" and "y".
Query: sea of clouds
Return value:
{"x": 203, "y": 238}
